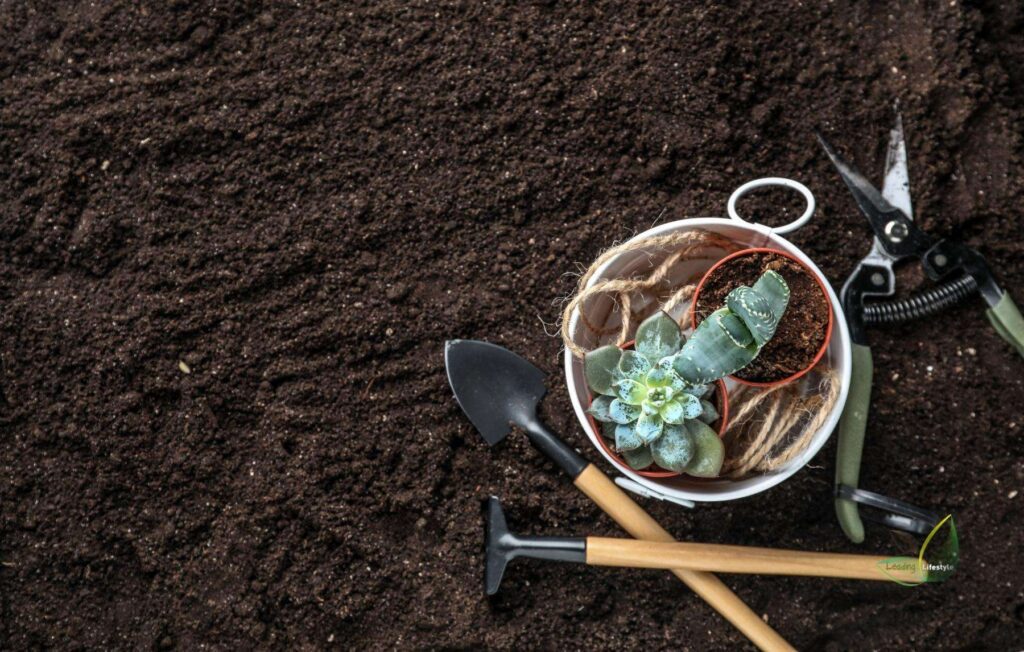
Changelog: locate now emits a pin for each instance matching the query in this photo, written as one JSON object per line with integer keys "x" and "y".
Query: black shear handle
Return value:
{"x": 892, "y": 513}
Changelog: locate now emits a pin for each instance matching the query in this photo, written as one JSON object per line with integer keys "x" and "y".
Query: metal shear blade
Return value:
{"x": 889, "y": 212}
{"x": 871, "y": 201}
{"x": 896, "y": 187}
{"x": 895, "y": 195}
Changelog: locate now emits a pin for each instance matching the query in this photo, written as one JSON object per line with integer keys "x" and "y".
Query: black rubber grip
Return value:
{"x": 560, "y": 453}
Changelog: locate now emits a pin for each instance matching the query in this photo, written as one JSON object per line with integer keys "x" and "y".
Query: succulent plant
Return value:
{"x": 651, "y": 401}
{"x": 732, "y": 336}
{"x": 647, "y": 409}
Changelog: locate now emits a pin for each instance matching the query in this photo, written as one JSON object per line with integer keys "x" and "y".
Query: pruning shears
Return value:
{"x": 959, "y": 272}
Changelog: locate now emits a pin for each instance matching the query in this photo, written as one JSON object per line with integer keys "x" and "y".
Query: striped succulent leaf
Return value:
{"x": 732, "y": 336}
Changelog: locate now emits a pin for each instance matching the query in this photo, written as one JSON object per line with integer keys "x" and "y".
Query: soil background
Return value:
{"x": 234, "y": 238}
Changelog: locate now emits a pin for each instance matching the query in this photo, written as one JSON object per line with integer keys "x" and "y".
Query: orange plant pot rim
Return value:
{"x": 723, "y": 418}
{"x": 821, "y": 286}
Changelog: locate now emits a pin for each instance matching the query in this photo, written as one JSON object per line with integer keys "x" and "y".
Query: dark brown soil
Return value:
{"x": 303, "y": 201}
{"x": 801, "y": 330}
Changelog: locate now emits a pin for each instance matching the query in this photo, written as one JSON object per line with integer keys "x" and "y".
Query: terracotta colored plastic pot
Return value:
{"x": 821, "y": 286}
{"x": 721, "y": 397}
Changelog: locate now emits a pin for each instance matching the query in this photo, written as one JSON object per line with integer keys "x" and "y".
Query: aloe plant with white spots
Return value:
{"x": 651, "y": 401}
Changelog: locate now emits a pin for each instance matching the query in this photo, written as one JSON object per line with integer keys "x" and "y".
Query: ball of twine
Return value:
{"x": 770, "y": 427}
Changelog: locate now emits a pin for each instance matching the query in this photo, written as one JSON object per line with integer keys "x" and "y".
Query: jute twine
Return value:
{"x": 682, "y": 245}
{"x": 768, "y": 427}
{"x": 771, "y": 426}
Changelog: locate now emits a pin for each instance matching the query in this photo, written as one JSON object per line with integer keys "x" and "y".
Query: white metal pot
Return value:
{"x": 684, "y": 489}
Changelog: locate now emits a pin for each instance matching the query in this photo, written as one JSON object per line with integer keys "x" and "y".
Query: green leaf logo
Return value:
{"x": 938, "y": 566}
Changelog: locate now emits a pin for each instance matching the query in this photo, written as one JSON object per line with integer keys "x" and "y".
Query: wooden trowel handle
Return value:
{"x": 716, "y": 558}
{"x": 640, "y": 525}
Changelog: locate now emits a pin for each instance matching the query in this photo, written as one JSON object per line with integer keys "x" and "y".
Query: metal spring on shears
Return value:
{"x": 922, "y": 304}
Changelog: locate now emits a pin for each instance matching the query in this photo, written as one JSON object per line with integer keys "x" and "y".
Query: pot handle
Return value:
{"x": 640, "y": 490}
{"x": 768, "y": 182}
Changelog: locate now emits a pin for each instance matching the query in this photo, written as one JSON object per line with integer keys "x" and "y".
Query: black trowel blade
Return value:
{"x": 493, "y": 386}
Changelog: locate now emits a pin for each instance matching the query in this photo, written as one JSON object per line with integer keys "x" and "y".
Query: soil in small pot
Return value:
{"x": 803, "y": 327}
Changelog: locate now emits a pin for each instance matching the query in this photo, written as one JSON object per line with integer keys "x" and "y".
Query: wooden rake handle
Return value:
{"x": 640, "y": 525}
{"x": 743, "y": 559}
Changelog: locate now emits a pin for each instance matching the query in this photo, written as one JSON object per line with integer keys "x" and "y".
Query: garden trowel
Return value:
{"x": 497, "y": 389}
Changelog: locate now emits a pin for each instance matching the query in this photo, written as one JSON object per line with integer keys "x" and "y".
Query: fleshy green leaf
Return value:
{"x": 698, "y": 390}
{"x": 630, "y": 391}
{"x": 674, "y": 449}
{"x": 677, "y": 384}
{"x": 709, "y": 454}
{"x": 634, "y": 366}
{"x": 711, "y": 353}
{"x": 754, "y": 311}
{"x": 691, "y": 406}
{"x": 599, "y": 408}
{"x": 600, "y": 368}
{"x": 659, "y": 377}
{"x": 638, "y": 459}
{"x": 622, "y": 412}
{"x": 773, "y": 287}
{"x": 649, "y": 427}
{"x": 627, "y": 438}
{"x": 736, "y": 329}
{"x": 710, "y": 412}
{"x": 608, "y": 430}
{"x": 672, "y": 412}
{"x": 658, "y": 396}
{"x": 658, "y": 336}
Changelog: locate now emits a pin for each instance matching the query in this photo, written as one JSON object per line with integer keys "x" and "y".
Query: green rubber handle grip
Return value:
{"x": 852, "y": 426}
{"x": 1006, "y": 319}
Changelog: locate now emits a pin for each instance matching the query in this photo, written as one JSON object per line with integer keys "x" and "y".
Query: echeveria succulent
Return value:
{"x": 732, "y": 336}
{"x": 647, "y": 409}
{"x": 650, "y": 400}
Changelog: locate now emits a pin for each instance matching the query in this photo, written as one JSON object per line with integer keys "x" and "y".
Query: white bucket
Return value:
{"x": 684, "y": 489}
